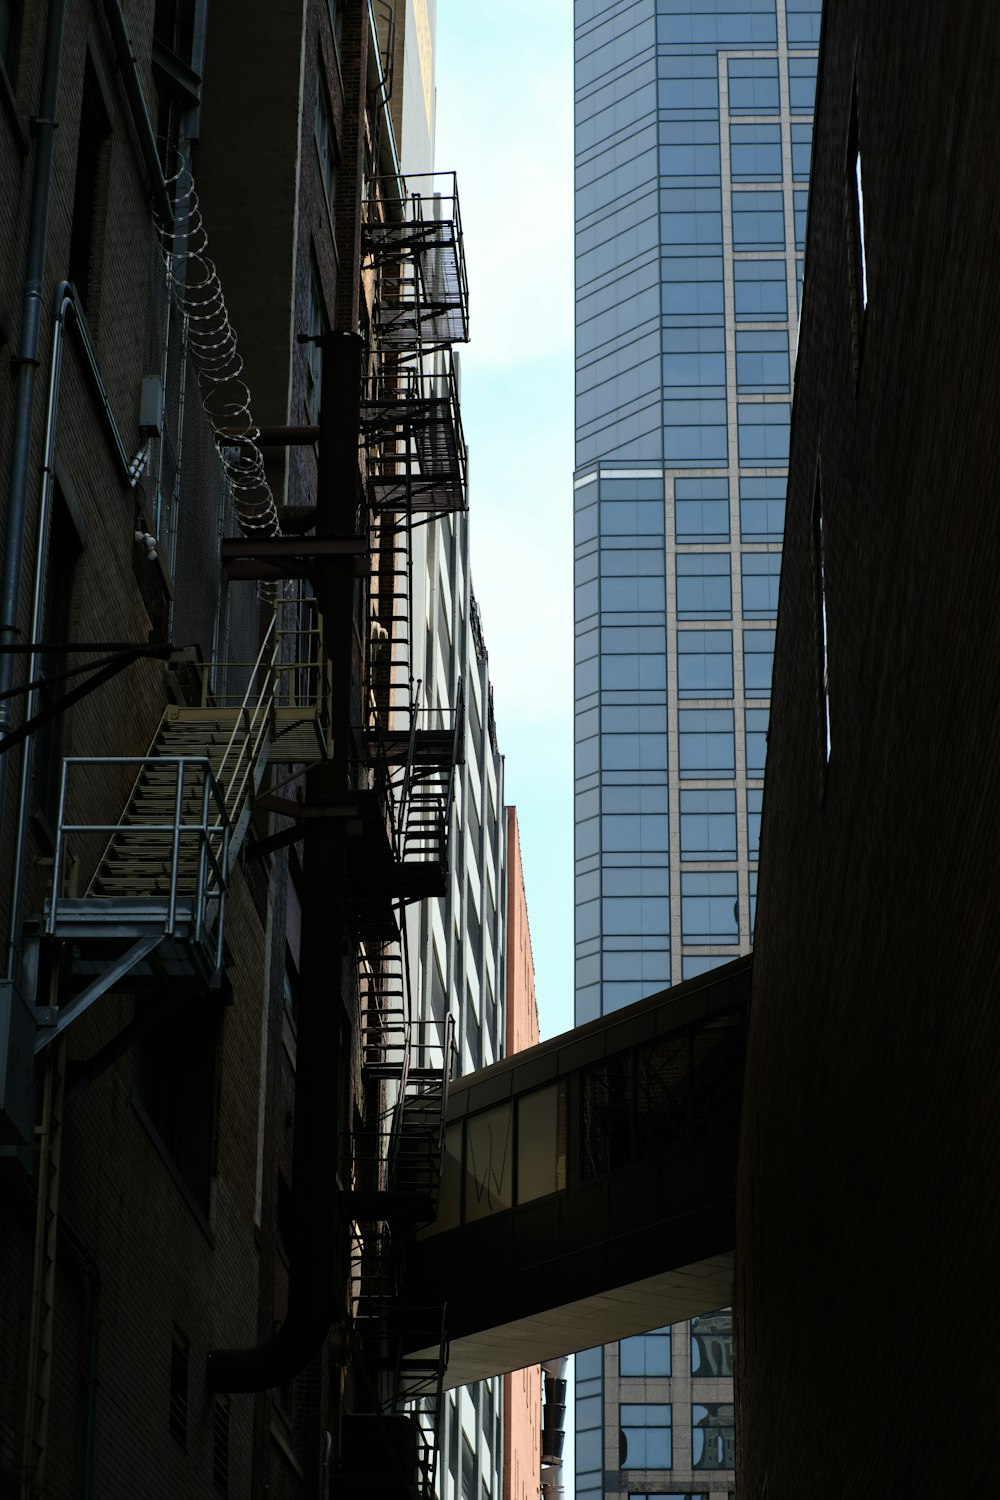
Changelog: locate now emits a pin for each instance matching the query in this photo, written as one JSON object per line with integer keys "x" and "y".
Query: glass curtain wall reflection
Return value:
{"x": 693, "y": 138}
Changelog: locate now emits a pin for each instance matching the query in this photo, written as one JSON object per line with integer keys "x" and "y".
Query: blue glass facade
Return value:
{"x": 693, "y": 138}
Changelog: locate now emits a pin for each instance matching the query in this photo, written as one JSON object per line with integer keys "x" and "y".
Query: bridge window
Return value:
{"x": 646, "y": 1356}
{"x": 712, "y": 1436}
{"x": 645, "y": 1437}
{"x": 658, "y": 1097}
{"x": 541, "y": 1143}
{"x": 489, "y": 1150}
{"x": 485, "y": 1164}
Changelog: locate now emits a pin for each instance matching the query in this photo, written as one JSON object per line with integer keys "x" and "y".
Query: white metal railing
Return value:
{"x": 252, "y": 724}
{"x": 209, "y": 832}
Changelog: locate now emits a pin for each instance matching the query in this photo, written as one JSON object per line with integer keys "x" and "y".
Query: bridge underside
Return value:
{"x": 564, "y": 1328}
{"x": 589, "y": 1183}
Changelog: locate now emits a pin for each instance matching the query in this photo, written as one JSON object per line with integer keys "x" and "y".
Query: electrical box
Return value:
{"x": 151, "y": 404}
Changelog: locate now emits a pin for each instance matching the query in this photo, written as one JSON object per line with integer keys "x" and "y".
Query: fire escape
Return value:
{"x": 151, "y": 917}
{"x": 415, "y": 461}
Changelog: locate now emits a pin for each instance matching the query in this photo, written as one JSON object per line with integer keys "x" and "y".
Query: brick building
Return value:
{"x": 867, "y": 1207}
{"x": 522, "y": 1389}
{"x": 233, "y": 1118}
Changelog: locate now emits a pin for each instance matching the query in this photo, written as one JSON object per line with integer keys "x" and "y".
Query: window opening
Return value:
{"x": 90, "y": 195}
{"x": 861, "y": 229}
{"x": 819, "y": 562}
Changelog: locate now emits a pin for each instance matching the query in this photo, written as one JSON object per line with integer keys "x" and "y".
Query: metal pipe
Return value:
{"x": 64, "y": 300}
{"x": 27, "y": 361}
{"x": 129, "y": 68}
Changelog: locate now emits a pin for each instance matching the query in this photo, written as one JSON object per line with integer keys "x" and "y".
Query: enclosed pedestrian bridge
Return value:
{"x": 587, "y": 1190}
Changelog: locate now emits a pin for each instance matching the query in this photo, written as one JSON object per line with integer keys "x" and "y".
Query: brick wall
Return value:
{"x": 522, "y": 1390}
{"x": 868, "y": 1213}
{"x": 163, "y": 1265}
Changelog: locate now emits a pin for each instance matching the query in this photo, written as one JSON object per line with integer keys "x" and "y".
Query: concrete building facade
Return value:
{"x": 693, "y": 131}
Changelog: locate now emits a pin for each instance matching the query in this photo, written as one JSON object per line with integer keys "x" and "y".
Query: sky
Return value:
{"x": 504, "y": 123}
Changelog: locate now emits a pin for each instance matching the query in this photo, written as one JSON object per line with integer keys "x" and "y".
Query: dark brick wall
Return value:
{"x": 868, "y": 1203}
{"x": 161, "y": 1265}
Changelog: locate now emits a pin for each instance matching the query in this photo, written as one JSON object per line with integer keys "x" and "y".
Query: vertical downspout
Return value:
{"x": 64, "y": 303}
{"x": 44, "y": 128}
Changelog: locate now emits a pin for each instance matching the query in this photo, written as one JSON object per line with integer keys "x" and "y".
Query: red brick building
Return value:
{"x": 867, "y": 1210}
{"x": 522, "y": 1390}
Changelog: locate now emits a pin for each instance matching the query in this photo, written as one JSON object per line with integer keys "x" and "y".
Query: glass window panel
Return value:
{"x": 589, "y": 1363}
{"x": 712, "y": 1433}
{"x": 762, "y": 508}
{"x": 589, "y": 1450}
{"x": 756, "y": 739}
{"x": 763, "y": 429}
{"x": 704, "y": 590}
{"x": 631, "y": 517}
{"x": 693, "y": 964}
{"x": 541, "y": 1142}
{"x": 758, "y": 655}
{"x": 488, "y": 1164}
{"x": 755, "y": 799}
{"x": 645, "y": 1436}
{"x": 646, "y": 1356}
{"x": 690, "y": 370}
{"x": 755, "y": 153}
{"x": 800, "y": 199}
{"x": 761, "y": 360}
{"x": 709, "y": 906}
{"x": 761, "y": 578}
{"x": 802, "y": 84}
{"x": 704, "y": 663}
{"x": 758, "y": 220}
{"x": 588, "y": 1411}
{"x": 712, "y": 1345}
{"x": 760, "y": 290}
{"x": 753, "y": 86}
{"x": 706, "y": 743}
{"x": 801, "y": 151}
{"x": 708, "y": 824}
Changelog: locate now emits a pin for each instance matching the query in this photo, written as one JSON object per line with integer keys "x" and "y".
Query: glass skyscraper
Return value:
{"x": 693, "y": 137}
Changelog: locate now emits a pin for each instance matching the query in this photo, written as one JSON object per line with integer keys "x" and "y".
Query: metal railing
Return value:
{"x": 196, "y": 786}
{"x": 300, "y": 666}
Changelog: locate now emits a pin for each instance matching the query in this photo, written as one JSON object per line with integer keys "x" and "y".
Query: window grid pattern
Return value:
{"x": 683, "y": 425}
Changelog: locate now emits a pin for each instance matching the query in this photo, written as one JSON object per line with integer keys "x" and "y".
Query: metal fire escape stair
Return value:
{"x": 405, "y": 1066}
{"x": 153, "y": 911}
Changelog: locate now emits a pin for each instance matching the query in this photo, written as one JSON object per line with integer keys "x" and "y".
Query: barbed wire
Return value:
{"x": 194, "y": 283}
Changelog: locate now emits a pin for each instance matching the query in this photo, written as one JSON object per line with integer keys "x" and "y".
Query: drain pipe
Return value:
{"x": 64, "y": 300}
{"x": 128, "y": 66}
{"x": 44, "y": 127}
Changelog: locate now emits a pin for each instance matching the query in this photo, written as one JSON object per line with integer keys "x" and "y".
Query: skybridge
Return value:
{"x": 588, "y": 1185}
